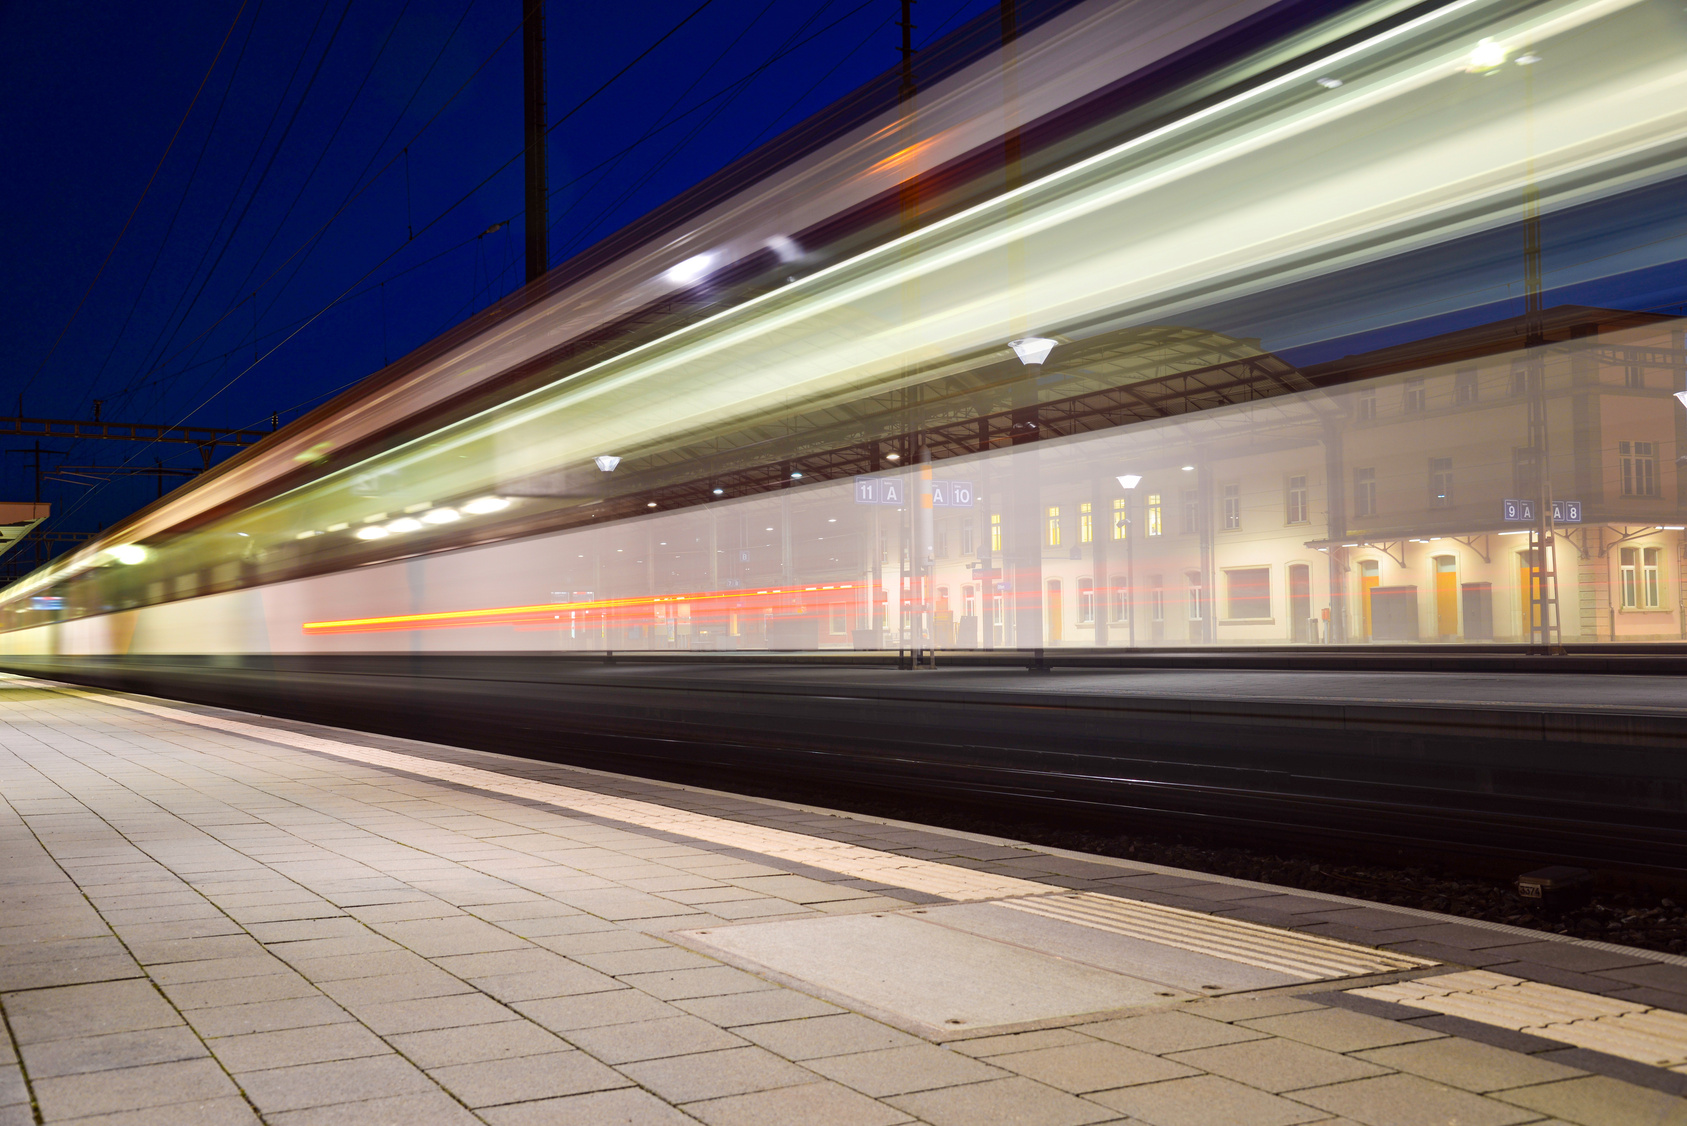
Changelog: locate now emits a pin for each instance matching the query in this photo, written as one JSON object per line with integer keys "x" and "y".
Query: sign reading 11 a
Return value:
{"x": 894, "y": 490}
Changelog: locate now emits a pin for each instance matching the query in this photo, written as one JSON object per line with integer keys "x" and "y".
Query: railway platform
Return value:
{"x": 209, "y": 916}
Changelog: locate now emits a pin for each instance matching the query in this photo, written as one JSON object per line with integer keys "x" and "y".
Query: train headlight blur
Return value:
{"x": 372, "y": 532}
{"x": 404, "y": 524}
{"x": 483, "y": 505}
{"x": 128, "y": 553}
{"x": 441, "y": 516}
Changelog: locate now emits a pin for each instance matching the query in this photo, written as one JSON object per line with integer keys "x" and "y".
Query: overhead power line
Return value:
{"x": 57, "y": 340}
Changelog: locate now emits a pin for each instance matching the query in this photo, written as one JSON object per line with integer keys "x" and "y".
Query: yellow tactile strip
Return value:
{"x": 1303, "y": 956}
{"x": 1587, "y": 1020}
{"x": 946, "y": 880}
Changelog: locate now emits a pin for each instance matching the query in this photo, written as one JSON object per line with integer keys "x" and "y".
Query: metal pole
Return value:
{"x": 533, "y": 73}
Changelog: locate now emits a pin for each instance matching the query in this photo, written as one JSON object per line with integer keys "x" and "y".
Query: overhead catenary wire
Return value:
{"x": 344, "y": 294}
{"x": 275, "y": 152}
{"x": 187, "y": 190}
{"x": 363, "y": 180}
{"x": 165, "y": 333}
{"x": 106, "y": 261}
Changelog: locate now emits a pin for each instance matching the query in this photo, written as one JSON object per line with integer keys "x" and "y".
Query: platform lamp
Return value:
{"x": 1129, "y": 482}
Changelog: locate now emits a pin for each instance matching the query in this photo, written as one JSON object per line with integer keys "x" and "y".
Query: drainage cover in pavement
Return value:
{"x": 929, "y": 979}
{"x": 959, "y": 968}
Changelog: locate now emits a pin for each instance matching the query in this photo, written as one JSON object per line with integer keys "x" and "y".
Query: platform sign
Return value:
{"x": 951, "y": 494}
{"x": 1523, "y": 511}
{"x": 894, "y": 490}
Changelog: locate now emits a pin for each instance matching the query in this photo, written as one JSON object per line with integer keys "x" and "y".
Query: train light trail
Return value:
{"x": 485, "y": 505}
{"x": 441, "y": 516}
{"x": 612, "y": 610}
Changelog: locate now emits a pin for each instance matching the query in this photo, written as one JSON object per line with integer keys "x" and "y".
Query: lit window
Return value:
{"x": 1121, "y": 518}
{"x": 1295, "y": 501}
{"x": 995, "y": 531}
{"x": 1154, "y": 525}
{"x": 1640, "y": 468}
{"x": 1364, "y": 492}
{"x": 1054, "y": 525}
{"x": 1641, "y": 585}
{"x": 1086, "y": 523}
{"x": 1232, "y": 507}
{"x": 1086, "y": 601}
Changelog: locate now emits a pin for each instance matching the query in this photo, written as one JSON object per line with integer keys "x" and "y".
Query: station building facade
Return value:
{"x": 1382, "y": 506}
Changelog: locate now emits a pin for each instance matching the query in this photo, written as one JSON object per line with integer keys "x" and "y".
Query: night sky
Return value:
{"x": 369, "y": 118}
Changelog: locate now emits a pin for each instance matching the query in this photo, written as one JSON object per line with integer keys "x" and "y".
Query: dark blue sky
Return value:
{"x": 312, "y": 102}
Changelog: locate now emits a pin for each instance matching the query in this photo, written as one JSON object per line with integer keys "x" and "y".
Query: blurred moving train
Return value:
{"x": 1163, "y": 323}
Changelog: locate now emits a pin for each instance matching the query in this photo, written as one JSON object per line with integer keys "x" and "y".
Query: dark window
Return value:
{"x": 1364, "y": 492}
{"x": 1634, "y": 376}
{"x": 1232, "y": 507}
{"x": 1249, "y": 592}
{"x": 1440, "y": 482}
{"x": 1367, "y": 405}
{"x": 1295, "y": 501}
{"x": 1464, "y": 385}
{"x": 1413, "y": 399}
{"x": 1640, "y": 468}
{"x": 1191, "y": 512}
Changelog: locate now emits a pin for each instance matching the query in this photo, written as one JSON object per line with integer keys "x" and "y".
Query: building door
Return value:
{"x": 1054, "y": 611}
{"x": 1300, "y": 601}
{"x": 1528, "y": 590}
{"x": 1446, "y": 598}
{"x": 1370, "y": 576}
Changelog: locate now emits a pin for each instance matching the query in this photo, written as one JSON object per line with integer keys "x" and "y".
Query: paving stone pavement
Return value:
{"x": 198, "y": 926}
